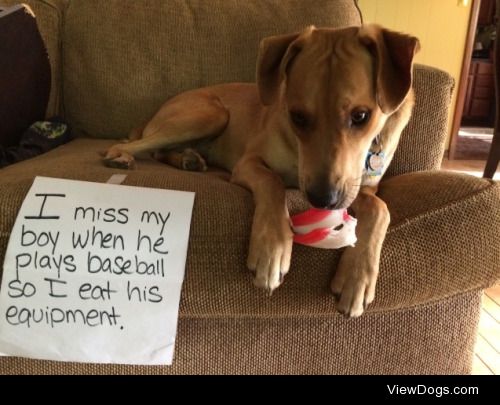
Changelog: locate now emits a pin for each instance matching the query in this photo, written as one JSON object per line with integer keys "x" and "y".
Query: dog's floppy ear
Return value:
{"x": 275, "y": 54}
{"x": 393, "y": 53}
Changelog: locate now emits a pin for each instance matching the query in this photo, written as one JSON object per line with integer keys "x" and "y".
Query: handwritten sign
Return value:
{"x": 93, "y": 273}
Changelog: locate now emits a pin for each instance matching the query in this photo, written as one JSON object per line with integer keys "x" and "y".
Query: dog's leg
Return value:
{"x": 188, "y": 117}
{"x": 354, "y": 282}
{"x": 136, "y": 133}
{"x": 189, "y": 159}
{"x": 271, "y": 237}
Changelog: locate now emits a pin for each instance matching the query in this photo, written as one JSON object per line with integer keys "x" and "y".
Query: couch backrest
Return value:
{"x": 123, "y": 59}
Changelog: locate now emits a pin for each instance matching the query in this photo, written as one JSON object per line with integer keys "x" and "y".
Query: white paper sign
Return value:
{"x": 93, "y": 273}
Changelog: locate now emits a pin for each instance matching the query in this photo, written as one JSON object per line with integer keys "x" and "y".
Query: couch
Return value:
{"x": 114, "y": 63}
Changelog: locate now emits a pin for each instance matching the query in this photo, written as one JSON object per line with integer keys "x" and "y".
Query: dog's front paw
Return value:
{"x": 118, "y": 158}
{"x": 270, "y": 251}
{"x": 354, "y": 282}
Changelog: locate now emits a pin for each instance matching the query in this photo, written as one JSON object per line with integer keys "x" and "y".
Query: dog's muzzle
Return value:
{"x": 325, "y": 199}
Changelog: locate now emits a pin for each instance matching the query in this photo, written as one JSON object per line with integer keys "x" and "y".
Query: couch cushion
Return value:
{"x": 443, "y": 239}
{"x": 122, "y": 60}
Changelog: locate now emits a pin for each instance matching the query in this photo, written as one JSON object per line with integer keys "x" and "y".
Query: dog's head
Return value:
{"x": 335, "y": 90}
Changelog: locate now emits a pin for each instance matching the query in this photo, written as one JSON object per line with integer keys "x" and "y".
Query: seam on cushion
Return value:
{"x": 49, "y": 4}
{"x": 334, "y": 313}
{"x": 432, "y": 301}
{"x": 359, "y": 11}
{"x": 451, "y": 204}
{"x": 59, "y": 10}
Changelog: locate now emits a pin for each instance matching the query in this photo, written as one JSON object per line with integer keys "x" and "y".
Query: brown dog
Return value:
{"x": 326, "y": 102}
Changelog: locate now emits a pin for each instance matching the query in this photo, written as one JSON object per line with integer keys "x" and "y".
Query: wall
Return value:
{"x": 441, "y": 26}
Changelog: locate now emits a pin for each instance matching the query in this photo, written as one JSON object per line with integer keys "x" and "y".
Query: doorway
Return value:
{"x": 472, "y": 130}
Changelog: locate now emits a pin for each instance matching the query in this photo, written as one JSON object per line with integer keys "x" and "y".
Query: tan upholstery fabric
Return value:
{"x": 49, "y": 14}
{"x": 437, "y": 338}
{"x": 429, "y": 209}
{"x": 156, "y": 63}
{"x": 422, "y": 143}
{"x": 122, "y": 60}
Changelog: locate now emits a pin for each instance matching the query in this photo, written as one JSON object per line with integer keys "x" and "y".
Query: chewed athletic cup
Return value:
{"x": 325, "y": 229}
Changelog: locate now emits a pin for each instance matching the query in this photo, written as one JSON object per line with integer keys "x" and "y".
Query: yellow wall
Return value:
{"x": 441, "y": 26}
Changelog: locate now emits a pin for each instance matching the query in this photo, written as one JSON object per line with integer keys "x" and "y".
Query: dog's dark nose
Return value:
{"x": 326, "y": 199}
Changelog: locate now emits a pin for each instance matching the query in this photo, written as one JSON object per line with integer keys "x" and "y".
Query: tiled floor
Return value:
{"x": 487, "y": 352}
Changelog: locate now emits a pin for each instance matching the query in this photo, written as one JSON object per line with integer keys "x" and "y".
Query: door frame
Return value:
{"x": 464, "y": 76}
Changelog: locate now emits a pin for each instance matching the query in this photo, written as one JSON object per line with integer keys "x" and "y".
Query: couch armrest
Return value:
{"x": 423, "y": 141}
{"x": 444, "y": 237}
{"x": 49, "y": 17}
{"x": 443, "y": 240}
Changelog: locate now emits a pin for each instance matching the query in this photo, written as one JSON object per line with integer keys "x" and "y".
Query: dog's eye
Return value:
{"x": 299, "y": 120}
{"x": 359, "y": 117}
